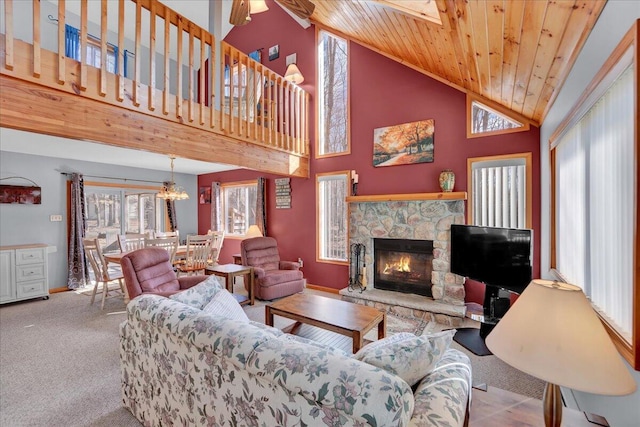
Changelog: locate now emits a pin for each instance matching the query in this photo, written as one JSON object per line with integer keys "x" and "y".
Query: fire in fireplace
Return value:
{"x": 403, "y": 265}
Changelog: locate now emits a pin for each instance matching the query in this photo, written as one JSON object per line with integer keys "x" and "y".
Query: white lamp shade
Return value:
{"x": 553, "y": 333}
{"x": 253, "y": 231}
{"x": 293, "y": 74}
{"x": 257, "y": 6}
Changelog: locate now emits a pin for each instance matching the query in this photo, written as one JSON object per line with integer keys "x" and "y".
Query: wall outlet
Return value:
{"x": 300, "y": 262}
{"x": 55, "y": 218}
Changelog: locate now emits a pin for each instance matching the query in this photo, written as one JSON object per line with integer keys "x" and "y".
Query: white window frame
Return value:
{"x": 327, "y": 229}
{"x": 594, "y": 165}
{"x": 321, "y": 102}
{"x": 500, "y": 191}
{"x": 223, "y": 196}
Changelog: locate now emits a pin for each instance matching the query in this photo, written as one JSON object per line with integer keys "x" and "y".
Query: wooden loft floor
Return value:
{"x": 45, "y": 92}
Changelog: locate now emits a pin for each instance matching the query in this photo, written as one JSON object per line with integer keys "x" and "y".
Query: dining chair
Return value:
{"x": 197, "y": 255}
{"x": 170, "y": 244}
{"x": 131, "y": 241}
{"x": 216, "y": 245}
{"x": 101, "y": 271}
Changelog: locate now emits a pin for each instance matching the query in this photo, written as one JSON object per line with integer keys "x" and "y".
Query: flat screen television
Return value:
{"x": 499, "y": 257}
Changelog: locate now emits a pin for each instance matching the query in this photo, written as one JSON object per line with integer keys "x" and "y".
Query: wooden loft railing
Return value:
{"x": 254, "y": 118}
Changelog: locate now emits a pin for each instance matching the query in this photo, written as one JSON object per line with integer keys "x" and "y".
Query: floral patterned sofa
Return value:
{"x": 183, "y": 366}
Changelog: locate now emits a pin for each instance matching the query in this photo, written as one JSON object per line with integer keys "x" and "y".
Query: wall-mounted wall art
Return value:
{"x": 283, "y": 193}
{"x": 20, "y": 195}
{"x": 274, "y": 52}
{"x": 404, "y": 144}
{"x": 256, "y": 55}
{"x": 204, "y": 195}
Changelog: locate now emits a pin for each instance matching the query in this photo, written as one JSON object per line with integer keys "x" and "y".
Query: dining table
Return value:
{"x": 115, "y": 257}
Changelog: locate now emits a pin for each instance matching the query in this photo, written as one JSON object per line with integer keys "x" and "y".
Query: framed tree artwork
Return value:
{"x": 404, "y": 144}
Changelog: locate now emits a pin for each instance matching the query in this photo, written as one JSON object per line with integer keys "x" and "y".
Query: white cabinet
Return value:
{"x": 23, "y": 272}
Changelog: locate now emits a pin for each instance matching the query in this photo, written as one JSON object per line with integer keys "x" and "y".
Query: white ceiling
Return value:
{"x": 51, "y": 146}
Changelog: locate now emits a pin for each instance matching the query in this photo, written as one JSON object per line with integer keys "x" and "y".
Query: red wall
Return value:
{"x": 383, "y": 93}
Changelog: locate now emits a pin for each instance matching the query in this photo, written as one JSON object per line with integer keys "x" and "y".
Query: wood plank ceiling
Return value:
{"x": 516, "y": 53}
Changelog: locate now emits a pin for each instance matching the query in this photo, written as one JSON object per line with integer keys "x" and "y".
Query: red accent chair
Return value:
{"x": 273, "y": 278}
{"x": 149, "y": 271}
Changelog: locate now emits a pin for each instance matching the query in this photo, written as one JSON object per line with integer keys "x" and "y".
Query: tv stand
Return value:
{"x": 493, "y": 309}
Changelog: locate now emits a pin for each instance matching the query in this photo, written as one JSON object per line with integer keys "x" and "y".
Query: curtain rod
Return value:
{"x": 111, "y": 177}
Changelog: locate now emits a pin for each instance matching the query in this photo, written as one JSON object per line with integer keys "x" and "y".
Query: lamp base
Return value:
{"x": 552, "y": 405}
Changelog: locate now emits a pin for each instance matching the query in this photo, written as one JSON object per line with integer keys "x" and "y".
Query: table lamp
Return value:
{"x": 553, "y": 333}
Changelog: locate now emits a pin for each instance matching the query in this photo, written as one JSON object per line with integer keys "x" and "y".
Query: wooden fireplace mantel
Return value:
{"x": 458, "y": 195}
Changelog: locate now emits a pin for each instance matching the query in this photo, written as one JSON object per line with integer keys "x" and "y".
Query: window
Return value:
{"x": 94, "y": 49}
{"x": 500, "y": 191}
{"x": 484, "y": 120}
{"x": 140, "y": 213}
{"x": 594, "y": 192}
{"x": 239, "y": 207}
{"x": 333, "y": 94}
{"x": 332, "y": 190}
{"x": 108, "y": 216}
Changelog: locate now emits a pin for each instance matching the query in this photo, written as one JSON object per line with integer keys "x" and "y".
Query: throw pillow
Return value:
{"x": 225, "y": 305}
{"x": 199, "y": 295}
{"x": 409, "y": 357}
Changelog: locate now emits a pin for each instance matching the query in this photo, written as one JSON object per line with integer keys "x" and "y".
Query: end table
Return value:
{"x": 230, "y": 272}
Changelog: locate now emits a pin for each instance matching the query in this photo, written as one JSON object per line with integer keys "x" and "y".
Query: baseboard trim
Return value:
{"x": 58, "y": 290}
{"x": 323, "y": 289}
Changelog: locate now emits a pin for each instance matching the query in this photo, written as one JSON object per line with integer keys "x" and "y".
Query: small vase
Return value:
{"x": 447, "y": 180}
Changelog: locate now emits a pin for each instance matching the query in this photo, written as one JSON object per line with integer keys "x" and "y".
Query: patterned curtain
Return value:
{"x": 261, "y": 210}
{"x": 78, "y": 269}
{"x": 216, "y": 203}
{"x": 171, "y": 210}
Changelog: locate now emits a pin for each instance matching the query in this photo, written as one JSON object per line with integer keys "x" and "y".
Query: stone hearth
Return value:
{"x": 425, "y": 217}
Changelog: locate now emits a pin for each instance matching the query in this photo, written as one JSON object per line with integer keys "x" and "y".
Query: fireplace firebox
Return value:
{"x": 403, "y": 265}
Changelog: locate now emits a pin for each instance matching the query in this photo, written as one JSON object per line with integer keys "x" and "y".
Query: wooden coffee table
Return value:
{"x": 346, "y": 318}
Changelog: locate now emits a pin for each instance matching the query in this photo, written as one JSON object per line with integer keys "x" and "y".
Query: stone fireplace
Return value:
{"x": 414, "y": 217}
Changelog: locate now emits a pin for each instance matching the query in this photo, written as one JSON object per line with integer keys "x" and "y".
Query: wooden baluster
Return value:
{"x": 247, "y": 95}
{"x": 62, "y": 37}
{"x": 212, "y": 83}
{"x": 235, "y": 91}
{"x": 201, "y": 78}
{"x": 103, "y": 48}
{"x": 120, "y": 61}
{"x": 298, "y": 110}
{"x": 37, "y": 63}
{"x": 278, "y": 115}
{"x": 8, "y": 36}
{"x": 272, "y": 111}
{"x": 83, "y": 44}
{"x": 179, "y": 98}
{"x": 152, "y": 56}
{"x": 190, "y": 81}
{"x": 222, "y": 91}
{"x": 136, "y": 60}
{"x": 167, "y": 62}
{"x": 306, "y": 122}
{"x": 287, "y": 114}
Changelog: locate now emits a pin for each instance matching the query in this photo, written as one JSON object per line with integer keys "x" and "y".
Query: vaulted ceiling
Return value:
{"x": 516, "y": 53}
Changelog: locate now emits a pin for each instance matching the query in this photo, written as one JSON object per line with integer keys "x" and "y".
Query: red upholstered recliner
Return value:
{"x": 148, "y": 271}
{"x": 273, "y": 278}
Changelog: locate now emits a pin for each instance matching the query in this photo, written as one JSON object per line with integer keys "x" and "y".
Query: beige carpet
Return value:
{"x": 59, "y": 362}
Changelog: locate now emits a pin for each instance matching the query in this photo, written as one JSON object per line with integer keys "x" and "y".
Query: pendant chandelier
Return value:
{"x": 172, "y": 191}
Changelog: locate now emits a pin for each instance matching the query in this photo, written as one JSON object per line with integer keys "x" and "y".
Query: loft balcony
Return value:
{"x": 63, "y": 74}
